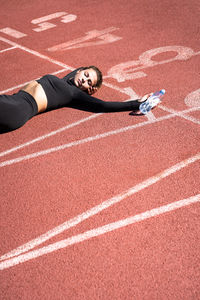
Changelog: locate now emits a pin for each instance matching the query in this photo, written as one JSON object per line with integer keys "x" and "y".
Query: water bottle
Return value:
{"x": 152, "y": 101}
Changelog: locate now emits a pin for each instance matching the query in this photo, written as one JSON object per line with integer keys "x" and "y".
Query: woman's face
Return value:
{"x": 86, "y": 80}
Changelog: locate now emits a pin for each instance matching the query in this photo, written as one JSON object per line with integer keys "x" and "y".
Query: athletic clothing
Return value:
{"x": 64, "y": 93}
{"x": 17, "y": 109}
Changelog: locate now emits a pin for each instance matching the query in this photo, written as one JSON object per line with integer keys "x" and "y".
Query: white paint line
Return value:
{"x": 12, "y": 32}
{"x": 150, "y": 116}
{"x": 96, "y": 209}
{"x": 33, "y": 52}
{"x": 40, "y": 138}
{"x": 85, "y": 140}
{"x": 193, "y": 99}
{"x": 8, "y": 49}
{"x": 24, "y": 83}
{"x": 128, "y": 91}
{"x": 48, "y": 17}
{"x": 181, "y": 114}
{"x": 79, "y": 142}
{"x": 99, "y": 231}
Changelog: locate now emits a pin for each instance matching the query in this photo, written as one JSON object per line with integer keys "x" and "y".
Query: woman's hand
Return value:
{"x": 92, "y": 90}
{"x": 145, "y": 97}
{"x": 137, "y": 112}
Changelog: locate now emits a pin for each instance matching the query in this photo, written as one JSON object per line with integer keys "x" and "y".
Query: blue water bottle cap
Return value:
{"x": 163, "y": 91}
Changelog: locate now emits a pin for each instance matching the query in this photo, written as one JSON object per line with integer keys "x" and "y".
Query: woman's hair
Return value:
{"x": 99, "y": 75}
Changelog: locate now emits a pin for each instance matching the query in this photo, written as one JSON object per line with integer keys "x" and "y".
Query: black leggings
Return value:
{"x": 16, "y": 110}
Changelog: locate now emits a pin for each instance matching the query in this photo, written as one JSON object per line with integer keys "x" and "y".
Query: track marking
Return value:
{"x": 150, "y": 116}
{"x": 36, "y": 53}
{"x": 104, "y": 205}
{"x": 8, "y": 49}
{"x": 91, "y": 38}
{"x": 193, "y": 99}
{"x": 79, "y": 142}
{"x": 12, "y": 32}
{"x": 47, "y": 135}
{"x": 85, "y": 140}
{"x": 99, "y": 231}
{"x": 129, "y": 70}
{"x": 25, "y": 83}
{"x": 181, "y": 114}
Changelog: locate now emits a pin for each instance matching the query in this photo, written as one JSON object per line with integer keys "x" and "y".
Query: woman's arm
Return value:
{"x": 85, "y": 102}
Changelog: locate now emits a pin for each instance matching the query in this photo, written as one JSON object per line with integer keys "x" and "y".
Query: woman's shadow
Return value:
{"x": 136, "y": 113}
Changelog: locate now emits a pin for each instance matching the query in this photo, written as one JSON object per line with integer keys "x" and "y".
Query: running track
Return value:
{"x": 102, "y": 206}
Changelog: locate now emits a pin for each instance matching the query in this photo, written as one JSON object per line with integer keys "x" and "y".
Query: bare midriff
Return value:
{"x": 36, "y": 90}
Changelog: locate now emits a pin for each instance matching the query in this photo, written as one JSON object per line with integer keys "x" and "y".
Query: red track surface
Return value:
{"x": 156, "y": 255}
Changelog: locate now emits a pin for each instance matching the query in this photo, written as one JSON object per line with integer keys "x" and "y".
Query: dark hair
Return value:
{"x": 99, "y": 75}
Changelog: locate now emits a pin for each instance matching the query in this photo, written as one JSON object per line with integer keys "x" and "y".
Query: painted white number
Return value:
{"x": 44, "y": 25}
{"x": 103, "y": 36}
{"x": 193, "y": 99}
{"x": 131, "y": 69}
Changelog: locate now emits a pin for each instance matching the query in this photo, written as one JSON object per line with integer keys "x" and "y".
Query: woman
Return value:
{"x": 51, "y": 92}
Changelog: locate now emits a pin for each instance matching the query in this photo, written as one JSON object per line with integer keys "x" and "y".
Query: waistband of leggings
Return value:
{"x": 29, "y": 98}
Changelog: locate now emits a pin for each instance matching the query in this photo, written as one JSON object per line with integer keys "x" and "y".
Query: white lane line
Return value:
{"x": 181, "y": 113}
{"x": 150, "y": 116}
{"x": 33, "y": 52}
{"x": 96, "y": 209}
{"x": 40, "y": 138}
{"x": 25, "y": 83}
{"x": 8, "y": 49}
{"x": 85, "y": 140}
{"x": 79, "y": 142}
{"x": 99, "y": 231}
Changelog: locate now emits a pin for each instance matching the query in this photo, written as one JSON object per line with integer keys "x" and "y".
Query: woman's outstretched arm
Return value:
{"x": 89, "y": 103}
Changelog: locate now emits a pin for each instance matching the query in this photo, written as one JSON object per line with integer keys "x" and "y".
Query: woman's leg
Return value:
{"x": 16, "y": 110}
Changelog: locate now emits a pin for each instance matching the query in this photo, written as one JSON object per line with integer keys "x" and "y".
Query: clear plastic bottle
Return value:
{"x": 151, "y": 102}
